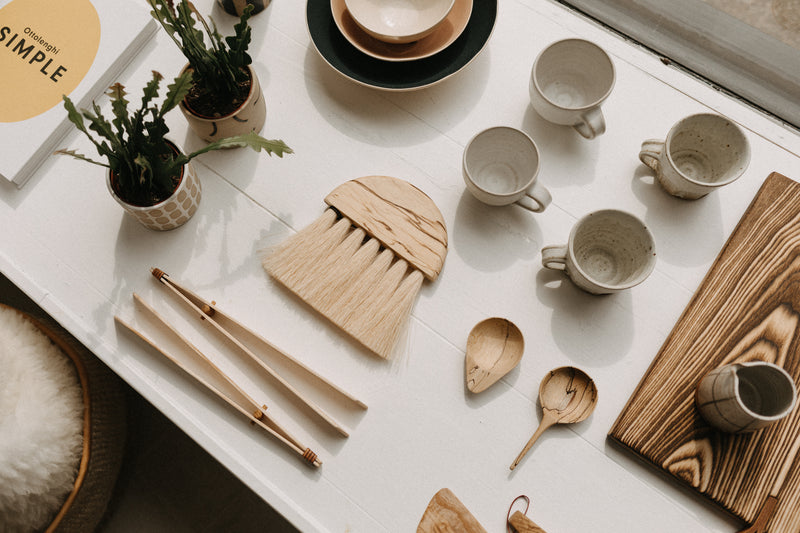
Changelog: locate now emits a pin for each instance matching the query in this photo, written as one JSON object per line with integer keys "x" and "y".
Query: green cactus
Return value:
{"x": 143, "y": 163}
{"x": 219, "y": 64}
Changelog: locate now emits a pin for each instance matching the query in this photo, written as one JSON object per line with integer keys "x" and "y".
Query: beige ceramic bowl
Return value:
{"x": 399, "y": 21}
{"x": 443, "y": 36}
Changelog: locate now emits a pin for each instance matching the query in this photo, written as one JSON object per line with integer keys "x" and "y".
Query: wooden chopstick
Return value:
{"x": 210, "y": 309}
{"x": 206, "y": 311}
{"x": 253, "y": 411}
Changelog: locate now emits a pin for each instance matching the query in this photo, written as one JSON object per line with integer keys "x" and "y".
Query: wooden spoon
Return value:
{"x": 567, "y": 395}
{"x": 494, "y": 347}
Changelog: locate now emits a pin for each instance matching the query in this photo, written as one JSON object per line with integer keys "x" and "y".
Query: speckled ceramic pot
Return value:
{"x": 744, "y": 397}
{"x": 172, "y": 212}
{"x": 250, "y": 116}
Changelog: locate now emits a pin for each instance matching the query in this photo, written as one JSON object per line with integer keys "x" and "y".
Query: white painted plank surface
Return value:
{"x": 69, "y": 245}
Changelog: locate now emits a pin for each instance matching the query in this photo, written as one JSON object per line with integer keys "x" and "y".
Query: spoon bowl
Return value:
{"x": 567, "y": 395}
{"x": 494, "y": 347}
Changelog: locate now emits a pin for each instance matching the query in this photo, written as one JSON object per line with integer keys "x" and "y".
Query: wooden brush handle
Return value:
{"x": 403, "y": 218}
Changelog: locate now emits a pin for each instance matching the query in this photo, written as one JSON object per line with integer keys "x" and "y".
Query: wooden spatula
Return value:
{"x": 446, "y": 514}
{"x": 522, "y": 524}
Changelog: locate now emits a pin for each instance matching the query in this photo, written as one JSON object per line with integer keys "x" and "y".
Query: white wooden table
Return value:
{"x": 70, "y": 247}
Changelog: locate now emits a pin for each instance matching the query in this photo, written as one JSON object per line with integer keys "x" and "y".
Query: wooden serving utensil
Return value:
{"x": 768, "y": 507}
{"x": 494, "y": 347}
{"x": 567, "y": 395}
{"x": 446, "y": 514}
{"x": 208, "y": 312}
{"x": 522, "y": 524}
{"x": 230, "y": 392}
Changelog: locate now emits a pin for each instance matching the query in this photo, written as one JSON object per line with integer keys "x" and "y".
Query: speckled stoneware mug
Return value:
{"x": 608, "y": 251}
{"x": 744, "y": 397}
{"x": 501, "y": 166}
{"x": 569, "y": 81}
{"x": 700, "y": 153}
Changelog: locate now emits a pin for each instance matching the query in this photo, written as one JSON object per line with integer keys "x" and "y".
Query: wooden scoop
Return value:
{"x": 567, "y": 395}
{"x": 494, "y": 347}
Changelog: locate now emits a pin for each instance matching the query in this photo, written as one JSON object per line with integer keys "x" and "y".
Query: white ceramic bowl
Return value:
{"x": 399, "y": 21}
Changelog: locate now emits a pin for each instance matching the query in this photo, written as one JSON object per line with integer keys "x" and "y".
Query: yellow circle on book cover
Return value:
{"x": 46, "y": 49}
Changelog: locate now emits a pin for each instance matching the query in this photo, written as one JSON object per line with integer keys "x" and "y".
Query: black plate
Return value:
{"x": 359, "y": 67}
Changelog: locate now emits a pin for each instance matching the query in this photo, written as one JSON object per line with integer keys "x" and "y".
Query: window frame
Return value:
{"x": 711, "y": 43}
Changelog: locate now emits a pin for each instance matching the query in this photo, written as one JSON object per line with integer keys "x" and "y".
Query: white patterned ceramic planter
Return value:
{"x": 172, "y": 212}
{"x": 250, "y": 116}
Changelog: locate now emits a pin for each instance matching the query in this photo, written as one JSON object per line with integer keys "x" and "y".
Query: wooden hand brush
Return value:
{"x": 362, "y": 263}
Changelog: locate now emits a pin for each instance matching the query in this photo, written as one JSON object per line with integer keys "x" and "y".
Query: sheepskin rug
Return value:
{"x": 41, "y": 425}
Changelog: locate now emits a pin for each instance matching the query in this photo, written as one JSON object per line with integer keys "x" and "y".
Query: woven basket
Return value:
{"x": 104, "y": 429}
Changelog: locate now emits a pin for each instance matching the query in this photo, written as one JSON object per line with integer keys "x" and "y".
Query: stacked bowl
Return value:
{"x": 399, "y": 44}
{"x": 398, "y": 21}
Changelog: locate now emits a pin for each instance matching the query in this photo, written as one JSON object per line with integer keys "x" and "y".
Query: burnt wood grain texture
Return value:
{"x": 746, "y": 308}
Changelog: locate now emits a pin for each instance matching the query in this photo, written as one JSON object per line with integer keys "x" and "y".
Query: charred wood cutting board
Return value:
{"x": 746, "y": 308}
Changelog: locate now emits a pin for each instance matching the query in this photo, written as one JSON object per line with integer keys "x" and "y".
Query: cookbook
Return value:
{"x": 50, "y": 49}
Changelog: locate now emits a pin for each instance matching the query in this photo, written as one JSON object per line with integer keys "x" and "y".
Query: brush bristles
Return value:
{"x": 317, "y": 267}
{"x": 345, "y": 275}
{"x": 283, "y": 263}
{"x": 391, "y": 304}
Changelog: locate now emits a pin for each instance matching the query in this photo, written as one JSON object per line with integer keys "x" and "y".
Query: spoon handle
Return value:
{"x": 547, "y": 421}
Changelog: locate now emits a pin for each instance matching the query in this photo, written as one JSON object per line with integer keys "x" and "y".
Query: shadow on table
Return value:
{"x": 687, "y": 232}
{"x": 391, "y": 118}
{"x": 588, "y": 328}
{"x": 490, "y": 238}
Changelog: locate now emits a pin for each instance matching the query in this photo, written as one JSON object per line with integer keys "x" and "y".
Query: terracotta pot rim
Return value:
{"x": 109, "y": 181}
{"x": 188, "y": 108}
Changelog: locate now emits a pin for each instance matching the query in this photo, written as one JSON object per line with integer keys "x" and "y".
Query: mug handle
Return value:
{"x": 651, "y": 153}
{"x": 555, "y": 257}
{"x": 592, "y": 123}
{"x": 536, "y": 198}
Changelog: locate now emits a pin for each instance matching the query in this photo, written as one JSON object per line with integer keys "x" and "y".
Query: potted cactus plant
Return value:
{"x": 236, "y": 7}
{"x": 148, "y": 174}
{"x": 226, "y": 97}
